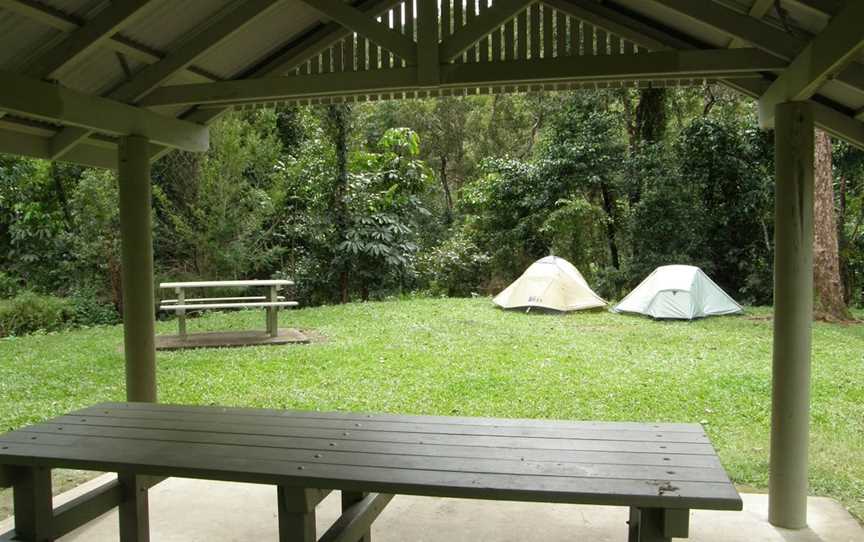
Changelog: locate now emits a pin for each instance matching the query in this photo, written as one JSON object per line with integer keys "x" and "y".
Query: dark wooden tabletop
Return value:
{"x": 627, "y": 464}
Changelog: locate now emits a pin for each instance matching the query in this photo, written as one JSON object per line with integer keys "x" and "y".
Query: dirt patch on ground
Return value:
{"x": 314, "y": 336}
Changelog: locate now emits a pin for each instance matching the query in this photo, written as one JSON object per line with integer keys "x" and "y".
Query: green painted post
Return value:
{"x": 136, "y": 238}
{"x": 793, "y": 314}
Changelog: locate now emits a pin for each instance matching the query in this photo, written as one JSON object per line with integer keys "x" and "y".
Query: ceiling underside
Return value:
{"x": 194, "y": 60}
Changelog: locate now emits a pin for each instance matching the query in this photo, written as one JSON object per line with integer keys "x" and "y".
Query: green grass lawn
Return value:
{"x": 465, "y": 357}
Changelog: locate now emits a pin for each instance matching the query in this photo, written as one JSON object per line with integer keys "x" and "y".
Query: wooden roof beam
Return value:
{"x": 363, "y": 24}
{"x": 13, "y": 142}
{"x": 693, "y": 64}
{"x": 828, "y": 119}
{"x": 758, "y": 10}
{"x": 21, "y": 95}
{"x": 227, "y": 24}
{"x": 66, "y": 23}
{"x": 86, "y": 38}
{"x": 741, "y": 26}
{"x": 828, "y": 53}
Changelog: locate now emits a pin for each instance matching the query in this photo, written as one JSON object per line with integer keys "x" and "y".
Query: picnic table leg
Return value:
{"x": 32, "y": 503}
{"x": 297, "y": 514}
{"x": 658, "y": 524}
{"x": 134, "y": 509}
{"x": 181, "y": 313}
{"x": 272, "y": 313}
{"x": 349, "y": 498}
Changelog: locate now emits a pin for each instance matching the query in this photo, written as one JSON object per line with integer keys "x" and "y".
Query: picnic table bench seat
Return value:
{"x": 659, "y": 470}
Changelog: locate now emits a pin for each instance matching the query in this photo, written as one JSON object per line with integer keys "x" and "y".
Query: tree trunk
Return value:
{"x": 609, "y": 208}
{"x": 337, "y": 117}
{"x": 445, "y": 184}
{"x": 651, "y": 115}
{"x": 828, "y": 300}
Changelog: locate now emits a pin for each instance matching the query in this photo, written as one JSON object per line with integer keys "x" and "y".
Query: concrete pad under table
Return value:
{"x": 230, "y": 339}
{"x": 196, "y": 510}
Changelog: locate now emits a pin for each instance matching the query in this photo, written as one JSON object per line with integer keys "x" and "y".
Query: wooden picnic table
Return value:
{"x": 659, "y": 470}
{"x": 271, "y": 302}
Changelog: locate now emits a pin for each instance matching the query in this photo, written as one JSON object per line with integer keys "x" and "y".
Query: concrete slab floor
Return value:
{"x": 195, "y": 510}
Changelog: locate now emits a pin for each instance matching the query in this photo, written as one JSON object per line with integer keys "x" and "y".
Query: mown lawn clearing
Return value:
{"x": 465, "y": 357}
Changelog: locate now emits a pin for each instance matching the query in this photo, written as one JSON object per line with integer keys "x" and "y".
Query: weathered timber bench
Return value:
{"x": 660, "y": 471}
{"x": 271, "y": 302}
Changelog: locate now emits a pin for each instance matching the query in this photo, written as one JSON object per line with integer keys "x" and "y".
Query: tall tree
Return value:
{"x": 829, "y": 302}
{"x": 337, "y": 125}
{"x": 651, "y": 115}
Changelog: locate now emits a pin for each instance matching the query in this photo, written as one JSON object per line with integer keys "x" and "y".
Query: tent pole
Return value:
{"x": 793, "y": 314}
{"x": 136, "y": 237}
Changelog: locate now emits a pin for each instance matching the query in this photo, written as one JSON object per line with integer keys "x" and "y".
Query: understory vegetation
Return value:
{"x": 453, "y": 196}
{"x": 423, "y": 356}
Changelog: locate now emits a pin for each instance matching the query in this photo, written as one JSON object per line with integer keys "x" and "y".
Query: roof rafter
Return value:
{"x": 758, "y": 10}
{"x": 32, "y": 98}
{"x": 361, "y": 23}
{"x": 760, "y": 34}
{"x": 828, "y": 119}
{"x": 66, "y": 23}
{"x": 228, "y": 23}
{"x": 86, "y": 38}
{"x": 829, "y": 52}
{"x": 693, "y": 64}
{"x": 820, "y": 7}
{"x": 617, "y": 23}
{"x": 488, "y": 20}
{"x": 313, "y": 42}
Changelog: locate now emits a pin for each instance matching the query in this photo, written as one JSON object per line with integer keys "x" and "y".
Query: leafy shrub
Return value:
{"x": 457, "y": 267}
{"x": 9, "y": 285}
{"x": 29, "y": 312}
{"x": 89, "y": 309}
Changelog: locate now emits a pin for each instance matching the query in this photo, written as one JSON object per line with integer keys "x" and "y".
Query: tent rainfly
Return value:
{"x": 550, "y": 283}
{"x": 680, "y": 292}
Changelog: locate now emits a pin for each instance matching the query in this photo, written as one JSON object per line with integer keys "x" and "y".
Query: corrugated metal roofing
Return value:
{"x": 29, "y": 37}
{"x": 257, "y": 41}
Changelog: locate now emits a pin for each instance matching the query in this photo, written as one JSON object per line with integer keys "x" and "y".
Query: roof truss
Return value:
{"x": 361, "y": 23}
{"x": 695, "y": 64}
{"x": 827, "y": 54}
{"x": 65, "y": 23}
{"x": 232, "y": 20}
{"x": 482, "y": 48}
{"x": 85, "y": 38}
{"x": 487, "y": 21}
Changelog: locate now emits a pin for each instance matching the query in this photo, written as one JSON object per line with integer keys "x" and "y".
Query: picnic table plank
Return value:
{"x": 360, "y": 416}
{"x": 359, "y": 434}
{"x": 407, "y": 426}
{"x": 176, "y": 461}
{"x": 226, "y": 283}
{"x": 435, "y": 450}
{"x": 524, "y": 465}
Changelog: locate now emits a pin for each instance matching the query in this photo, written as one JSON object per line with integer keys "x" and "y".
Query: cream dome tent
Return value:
{"x": 678, "y": 291}
{"x": 549, "y": 283}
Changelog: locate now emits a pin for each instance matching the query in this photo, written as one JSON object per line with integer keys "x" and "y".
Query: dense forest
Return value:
{"x": 451, "y": 196}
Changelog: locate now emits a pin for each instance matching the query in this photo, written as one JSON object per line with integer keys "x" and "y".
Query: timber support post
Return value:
{"x": 793, "y": 314}
{"x": 136, "y": 235}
